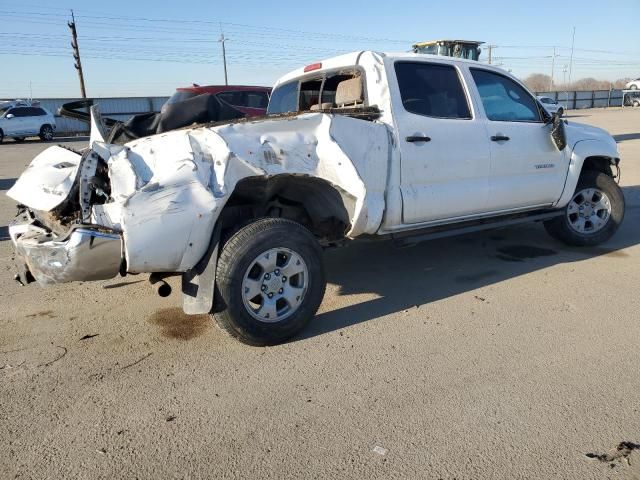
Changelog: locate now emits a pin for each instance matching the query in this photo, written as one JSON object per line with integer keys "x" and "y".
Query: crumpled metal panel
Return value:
{"x": 169, "y": 189}
{"x": 48, "y": 179}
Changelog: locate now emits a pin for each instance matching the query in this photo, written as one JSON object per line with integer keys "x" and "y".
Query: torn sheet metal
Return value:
{"x": 169, "y": 189}
{"x": 48, "y": 180}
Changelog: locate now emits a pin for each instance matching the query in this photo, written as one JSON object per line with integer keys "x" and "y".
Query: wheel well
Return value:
{"x": 598, "y": 164}
{"x": 315, "y": 203}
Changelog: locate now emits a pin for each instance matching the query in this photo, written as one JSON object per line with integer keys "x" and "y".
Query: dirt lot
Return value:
{"x": 496, "y": 355}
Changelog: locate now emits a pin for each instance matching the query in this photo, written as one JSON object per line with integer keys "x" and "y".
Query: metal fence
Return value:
{"x": 587, "y": 98}
{"x": 119, "y": 108}
{"x": 122, "y": 108}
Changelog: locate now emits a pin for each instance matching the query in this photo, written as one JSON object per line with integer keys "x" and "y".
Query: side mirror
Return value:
{"x": 10, "y": 115}
{"x": 558, "y": 133}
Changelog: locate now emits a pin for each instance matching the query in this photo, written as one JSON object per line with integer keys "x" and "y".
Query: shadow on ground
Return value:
{"x": 626, "y": 136}
{"x": 405, "y": 278}
{"x": 9, "y": 141}
{"x": 7, "y": 183}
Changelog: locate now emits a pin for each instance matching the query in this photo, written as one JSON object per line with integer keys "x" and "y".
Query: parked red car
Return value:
{"x": 252, "y": 101}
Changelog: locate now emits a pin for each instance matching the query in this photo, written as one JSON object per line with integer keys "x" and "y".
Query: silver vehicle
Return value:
{"x": 633, "y": 84}
{"x": 551, "y": 105}
{"x": 20, "y": 119}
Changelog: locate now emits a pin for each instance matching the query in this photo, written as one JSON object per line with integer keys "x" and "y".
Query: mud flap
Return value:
{"x": 198, "y": 284}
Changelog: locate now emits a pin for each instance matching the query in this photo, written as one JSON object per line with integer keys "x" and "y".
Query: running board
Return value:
{"x": 410, "y": 238}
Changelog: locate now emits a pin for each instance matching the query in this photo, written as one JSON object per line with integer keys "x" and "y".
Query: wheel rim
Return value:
{"x": 589, "y": 211}
{"x": 275, "y": 284}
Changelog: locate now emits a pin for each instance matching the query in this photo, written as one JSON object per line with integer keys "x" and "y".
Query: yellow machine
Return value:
{"x": 469, "y": 49}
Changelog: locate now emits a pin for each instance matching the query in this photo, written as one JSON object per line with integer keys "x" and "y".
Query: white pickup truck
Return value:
{"x": 391, "y": 146}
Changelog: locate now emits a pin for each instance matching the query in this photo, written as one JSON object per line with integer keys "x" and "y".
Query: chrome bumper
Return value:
{"x": 85, "y": 253}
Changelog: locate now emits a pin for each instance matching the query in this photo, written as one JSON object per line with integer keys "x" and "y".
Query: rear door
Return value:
{"x": 443, "y": 146}
{"x": 32, "y": 120}
{"x": 527, "y": 170}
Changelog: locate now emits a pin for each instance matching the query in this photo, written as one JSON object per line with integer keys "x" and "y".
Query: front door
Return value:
{"x": 16, "y": 124}
{"x": 444, "y": 149}
{"x": 527, "y": 170}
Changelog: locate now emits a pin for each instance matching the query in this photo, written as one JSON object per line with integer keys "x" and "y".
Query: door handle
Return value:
{"x": 417, "y": 138}
{"x": 499, "y": 138}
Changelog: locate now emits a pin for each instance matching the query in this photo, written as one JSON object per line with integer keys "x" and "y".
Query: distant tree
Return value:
{"x": 538, "y": 82}
{"x": 590, "y": 83}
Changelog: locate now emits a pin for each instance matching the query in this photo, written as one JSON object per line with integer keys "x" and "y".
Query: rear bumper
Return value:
{"x": 85, "y": 253}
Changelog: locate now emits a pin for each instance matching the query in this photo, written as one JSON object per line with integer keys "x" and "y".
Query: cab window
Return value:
{"x": 432, "y": 90}
{"x": 503, "y": 99}
{"x": 284, "y": 98}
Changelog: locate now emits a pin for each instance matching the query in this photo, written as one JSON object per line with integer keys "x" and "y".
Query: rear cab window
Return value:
{"x": 432, "y": 90}
{"x": 315, "y": 92}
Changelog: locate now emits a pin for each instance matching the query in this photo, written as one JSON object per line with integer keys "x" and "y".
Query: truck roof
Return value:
{"x": 352, "y": 58}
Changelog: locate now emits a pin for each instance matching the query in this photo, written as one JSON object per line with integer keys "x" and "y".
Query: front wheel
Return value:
{"x": 270, "y": 280}
{"x": 46, "y": 133}
{"x": 594, "y": 213}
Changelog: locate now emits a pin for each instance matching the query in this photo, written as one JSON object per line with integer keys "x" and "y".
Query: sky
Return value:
{"x": 146, "y": 48}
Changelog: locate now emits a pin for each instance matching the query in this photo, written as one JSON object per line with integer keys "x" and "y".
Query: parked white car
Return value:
{"x": 551, "y": 105}
{"x": 19, "y": 120}
{"x": 633, "y": 84}
{"x": 403, "y": 147}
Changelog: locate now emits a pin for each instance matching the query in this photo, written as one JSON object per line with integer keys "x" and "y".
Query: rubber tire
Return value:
{"x": 560, "y": 229}
{"x": 18, "y": 139}
{"x": 1, "y": 136}
{"x": 561, "y": 111}
{"x": 238, "y": 252}
{"x": 42, "y": 133}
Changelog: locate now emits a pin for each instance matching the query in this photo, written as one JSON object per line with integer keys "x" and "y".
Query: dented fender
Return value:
{"x": 581, "y": 151}
{"x": 168, "y": 190}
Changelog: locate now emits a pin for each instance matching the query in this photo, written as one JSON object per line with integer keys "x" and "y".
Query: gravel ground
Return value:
{"x": 496, "y": 355}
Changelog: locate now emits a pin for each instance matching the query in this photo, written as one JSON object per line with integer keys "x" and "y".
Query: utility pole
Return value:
{"x": 573, "y": 39}
{"x": 76, "y": 54}
{"x": 224, "y": 58}
{"x": 490, "y": 47}
{"x": 553, "y": 61}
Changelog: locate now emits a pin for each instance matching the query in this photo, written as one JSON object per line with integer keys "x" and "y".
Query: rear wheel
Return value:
{"x": 46, "y": 133}
{"x": 594, "y": 213}
{"x": 1, "y": 136}
{"x": 270, "y": 281}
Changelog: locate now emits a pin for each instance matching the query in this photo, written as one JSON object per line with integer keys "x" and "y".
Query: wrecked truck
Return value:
{"x": 366, "y": 145}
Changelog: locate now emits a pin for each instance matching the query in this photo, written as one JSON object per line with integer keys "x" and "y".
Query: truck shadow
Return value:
{"x": 626, "y": 136}
{"x": 405, "y": 278}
